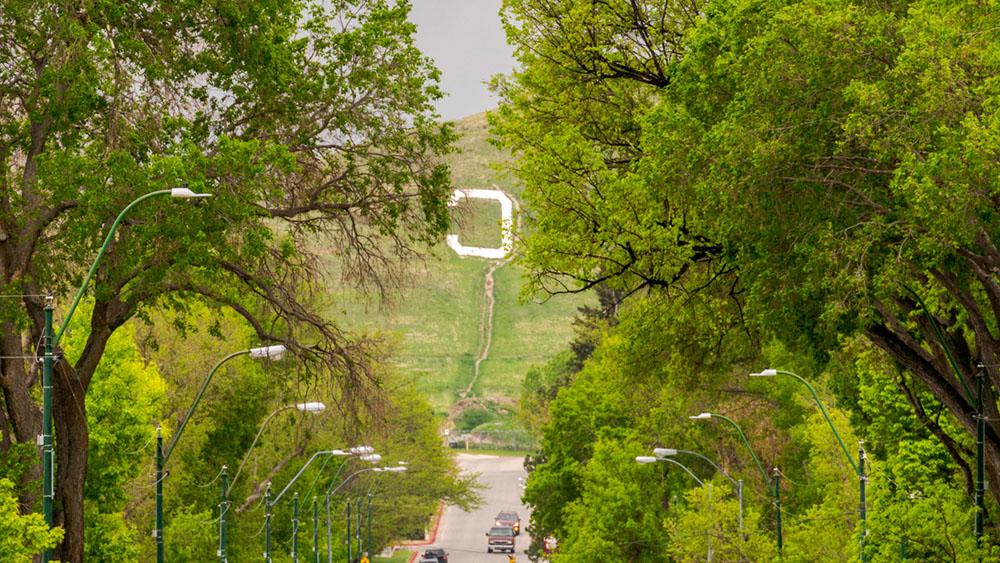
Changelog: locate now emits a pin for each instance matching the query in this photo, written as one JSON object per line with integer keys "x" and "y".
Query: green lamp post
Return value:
{"x": 52, "y": 342}
{"x": 644, "y": 459}
{"x": 336, "y": 487}
{"x": 859, "y": 468}
{"x": 313, "y": 406}
{"x": 163, "y": 454}
{"x": 737, "y": 483}
{"x": 773, "y": 485}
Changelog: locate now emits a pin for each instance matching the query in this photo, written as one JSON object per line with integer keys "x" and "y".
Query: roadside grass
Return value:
{"x": 398, "y": 556}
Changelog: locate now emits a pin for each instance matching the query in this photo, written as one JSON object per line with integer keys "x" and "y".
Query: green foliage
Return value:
{"x": 124, "y": 403}
{"x": 110, "y": 537}
{"x": 22, "y": 536}
{"x": 807, "y": 173}
{"x": 311, "y": 124}
{"x": 713, "y": 517}
{"x": 17, "y": 462}
{"x": 193, "y": 535}
{"x": 473, "y": 417}
{"x": 618, "y": 514}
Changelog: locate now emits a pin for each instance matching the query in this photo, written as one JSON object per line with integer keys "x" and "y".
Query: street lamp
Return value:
{"x": 275, "y": 352}
{"x": 644, "y": 459}
{"x": 774, "y": 485}
{"x": 52, "y": 342}
{"x": 399, "y": 468}
{"x": 313, "y": 406}
{"x": 333, "y": 490}
{"x": 859, "y": 468}
{"x": 268, "y": 503}
{"x": 737, "y": 483}
{"x": 357, "y": 451}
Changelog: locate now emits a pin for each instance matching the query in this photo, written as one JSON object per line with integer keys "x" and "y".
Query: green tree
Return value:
{"x": 308, "y": 121}
{"x": 831, "y": 163}
{"x": 22, "y": 536}
{"x": 714, "y": 518}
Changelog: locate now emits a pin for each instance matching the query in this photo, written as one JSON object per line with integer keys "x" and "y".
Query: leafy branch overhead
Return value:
{"x": 310, "y": 123}
{"x": 827, "y": 166}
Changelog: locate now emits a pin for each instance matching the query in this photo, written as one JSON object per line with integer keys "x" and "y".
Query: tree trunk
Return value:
{"x": 22, "y": 410}
{"x": 70, "y": 422}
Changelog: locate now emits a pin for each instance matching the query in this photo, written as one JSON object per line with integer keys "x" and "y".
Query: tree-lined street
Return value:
{"x": 749, "y": 309}
{"x": 462, "y": 534}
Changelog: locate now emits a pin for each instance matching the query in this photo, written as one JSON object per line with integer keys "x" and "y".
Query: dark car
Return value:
{"x": 509, "y": 518}
{"x": 434, "y": 556}
{"x": 500, "y": 538}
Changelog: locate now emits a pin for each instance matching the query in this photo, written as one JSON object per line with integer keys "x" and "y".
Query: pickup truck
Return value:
{"x": 509, "y": 518}
{"x": 500, "y": 538}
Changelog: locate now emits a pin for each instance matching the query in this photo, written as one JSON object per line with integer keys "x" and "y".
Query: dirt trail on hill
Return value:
{"x": 486, "y": 315}
{"x": 485, "y": 323}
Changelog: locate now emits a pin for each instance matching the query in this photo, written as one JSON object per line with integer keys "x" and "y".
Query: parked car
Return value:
{"x": 500, "y": 538}
{"x": 434, "y": 556}
{"x": 509, "y": 518}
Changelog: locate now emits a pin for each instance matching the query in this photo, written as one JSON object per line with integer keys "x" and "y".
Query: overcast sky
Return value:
{"x": 466, "y": 40}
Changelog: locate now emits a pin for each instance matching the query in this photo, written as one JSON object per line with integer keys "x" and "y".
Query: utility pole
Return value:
{"x": 862, "y": 510}
{"x": 315, "y": 529}
{"x": 370, "y": 523}
{"x": 158, "y": 532}
{"x": 777, "y": 506}
{"x": 48, "y": 485}
{"x": 980, "y": 457}
{"x": 267, "y": 524}
{"x": 223, "y": 509}
{"x": 295, "y": 528}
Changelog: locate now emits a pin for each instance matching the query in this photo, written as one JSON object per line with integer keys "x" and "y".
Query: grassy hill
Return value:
{"x": 435, "y": 323}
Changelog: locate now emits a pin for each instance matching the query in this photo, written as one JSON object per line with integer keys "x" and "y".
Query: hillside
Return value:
{"x": 435, "y": 322}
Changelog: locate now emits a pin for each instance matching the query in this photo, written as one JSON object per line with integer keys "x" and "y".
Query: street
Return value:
{"x": 463, "y": 534}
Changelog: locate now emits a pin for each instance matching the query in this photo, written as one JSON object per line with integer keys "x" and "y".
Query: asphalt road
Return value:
{"x": 463, "y": 534}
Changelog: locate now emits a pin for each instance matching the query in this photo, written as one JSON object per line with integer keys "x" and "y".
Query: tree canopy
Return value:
{"x": 819, "y": 170}
{"x": 309, "y": 122}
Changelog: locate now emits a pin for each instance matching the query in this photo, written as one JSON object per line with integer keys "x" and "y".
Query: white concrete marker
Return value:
{"x": 506, "y": 225}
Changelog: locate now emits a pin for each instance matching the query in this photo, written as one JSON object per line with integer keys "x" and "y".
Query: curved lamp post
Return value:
{"x": 163, "y": 455}
{"x": 333, "y": 490}
{"x": 737, "y": 483}
{"x": 653, "y": 459}
{"x": 859, "y": 468}
{"x": 269, "y": 504}
{"x": 357, "y": 451}
{"x": 226, "y": 487}
{"x": 52, "y": 341}
{"x": 774, "y": 485}
{"x": 371, "y": 493}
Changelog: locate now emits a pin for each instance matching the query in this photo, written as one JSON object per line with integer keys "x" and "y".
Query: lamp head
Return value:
{"x": 362, "y": 450}
{"x": 645, "y": 459}
{"x": 769, "y": 372}
{"x": 374, "y": 458}
{"x": 664, "y": 452}
{"x": 339, "y": 453}
{"x": 702, "y": 416}
{"x": 314, "y": 406}
{"x": 186, "y": 193}
{"x": 275, "y": 352}
{"x": 395, "y": 469}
